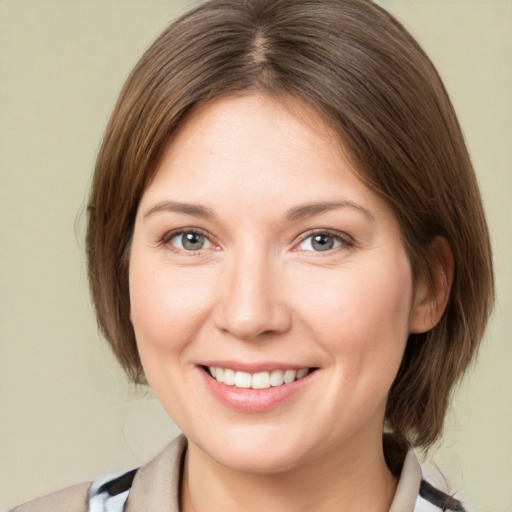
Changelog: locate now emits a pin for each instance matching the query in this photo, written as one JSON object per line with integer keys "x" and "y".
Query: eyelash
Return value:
{"x": 166, "y": 239}
{"x": 345, "y": 240}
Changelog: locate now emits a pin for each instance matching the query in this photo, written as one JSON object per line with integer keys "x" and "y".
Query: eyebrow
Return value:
{"x": 295, "y": 214}
{"x": 196, "y": 210}
{"x": 310, "y": 210}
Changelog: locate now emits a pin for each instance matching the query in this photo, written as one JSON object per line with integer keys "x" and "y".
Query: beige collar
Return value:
{"x": 408, "y": 484}
{"x": 156, "y": 486}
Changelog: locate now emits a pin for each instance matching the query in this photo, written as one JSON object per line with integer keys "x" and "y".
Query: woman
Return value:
{"x": 286, "y": 240}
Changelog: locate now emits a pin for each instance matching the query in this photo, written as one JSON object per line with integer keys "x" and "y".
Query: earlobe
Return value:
{"x": 431, "y": 298}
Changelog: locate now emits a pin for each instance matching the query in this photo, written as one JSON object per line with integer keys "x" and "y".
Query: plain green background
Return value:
{"x": 67, "y": 413}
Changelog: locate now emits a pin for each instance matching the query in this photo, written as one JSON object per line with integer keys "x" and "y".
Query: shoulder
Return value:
{"x": 432, "y": 499}
{"x": 414, "y": 493}
{"x": 154, "y": 486}
{"x": 70, "y": 499}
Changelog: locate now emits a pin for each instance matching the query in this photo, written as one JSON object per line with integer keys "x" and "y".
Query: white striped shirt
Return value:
{"x": 112, "y": 494}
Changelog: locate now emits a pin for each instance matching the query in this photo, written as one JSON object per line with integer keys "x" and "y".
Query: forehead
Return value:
{"x": 259, "y": 117}
{"x": 264, "y": 129}
{"x": 256, "y": 152}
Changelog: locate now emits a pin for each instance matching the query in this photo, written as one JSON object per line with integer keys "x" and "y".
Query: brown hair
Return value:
{"x": 362, "y": 71}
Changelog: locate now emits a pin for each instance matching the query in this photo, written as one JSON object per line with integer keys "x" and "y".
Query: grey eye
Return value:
{"x": 190, "y": 241}
{"x": 320, "y": 242}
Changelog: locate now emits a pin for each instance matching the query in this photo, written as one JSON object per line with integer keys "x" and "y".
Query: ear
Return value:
{"x": 431, "y": 298}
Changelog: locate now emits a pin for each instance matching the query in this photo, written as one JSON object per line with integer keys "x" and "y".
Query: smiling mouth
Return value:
{"x": 260, "y": 380}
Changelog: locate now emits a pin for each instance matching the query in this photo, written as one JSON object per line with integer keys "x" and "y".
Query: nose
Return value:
{"x": 251, "y": 303}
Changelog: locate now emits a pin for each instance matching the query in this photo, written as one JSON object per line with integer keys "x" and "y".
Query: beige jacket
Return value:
{"x": 155, "y": 487}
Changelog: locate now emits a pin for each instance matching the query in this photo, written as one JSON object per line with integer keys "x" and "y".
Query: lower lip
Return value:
{"x": 254, "y": 400}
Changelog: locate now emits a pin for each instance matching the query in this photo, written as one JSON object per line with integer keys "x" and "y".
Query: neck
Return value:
{"x": 353, "y": 480}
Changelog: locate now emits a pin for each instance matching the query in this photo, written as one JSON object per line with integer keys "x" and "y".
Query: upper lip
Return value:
{"x": 254, "y": 367}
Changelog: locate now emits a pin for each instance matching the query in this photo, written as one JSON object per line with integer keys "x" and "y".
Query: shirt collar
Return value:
{"x": 156, "y": 485}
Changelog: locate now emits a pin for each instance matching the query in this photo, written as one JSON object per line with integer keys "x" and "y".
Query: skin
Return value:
{"x": 258, "y": 292}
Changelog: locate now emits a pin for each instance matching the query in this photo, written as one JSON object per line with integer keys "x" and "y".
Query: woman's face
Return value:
{"x": 260, "y": 257}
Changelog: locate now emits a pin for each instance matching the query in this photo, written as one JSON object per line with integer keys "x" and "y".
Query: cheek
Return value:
{"x": 360, "y": 314}
{"x": 166, "y": 305}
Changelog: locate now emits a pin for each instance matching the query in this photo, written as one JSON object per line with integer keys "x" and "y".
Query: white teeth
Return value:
{"x": 243, "y": 380}
{"x": 300, "y": 373}
{"x": 289, "y": 376}
{"x": 276, "y": 378}
{"x": 229, "y": 377}
{"x": 260, "y": 380}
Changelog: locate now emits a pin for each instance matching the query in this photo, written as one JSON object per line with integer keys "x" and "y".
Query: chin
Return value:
{"x": 257, "y": 450}
{"x": 257, "y": 462}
